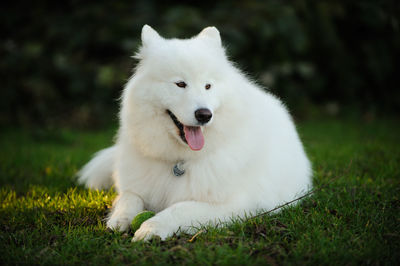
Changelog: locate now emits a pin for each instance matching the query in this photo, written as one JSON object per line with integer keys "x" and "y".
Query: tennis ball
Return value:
{"x": 140, "y": 218}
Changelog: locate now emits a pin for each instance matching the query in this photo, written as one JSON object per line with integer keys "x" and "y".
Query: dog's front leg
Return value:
{"x": 183, "y": 216}
{"x": 125, "y": 208}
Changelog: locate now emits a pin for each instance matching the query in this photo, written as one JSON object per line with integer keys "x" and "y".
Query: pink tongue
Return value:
{"x": 194, "y": 137}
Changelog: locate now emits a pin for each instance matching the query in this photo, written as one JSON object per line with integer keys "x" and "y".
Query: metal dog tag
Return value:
{"x": 177, "y": 169}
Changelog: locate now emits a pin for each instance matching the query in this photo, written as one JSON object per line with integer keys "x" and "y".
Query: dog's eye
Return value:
{"x": 181, "y": 84}
{"x": 208, "y": 86}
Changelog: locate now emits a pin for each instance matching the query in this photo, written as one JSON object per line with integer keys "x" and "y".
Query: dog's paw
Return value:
{"x": 118, "y": 223}
{"x": 152, "y": 228}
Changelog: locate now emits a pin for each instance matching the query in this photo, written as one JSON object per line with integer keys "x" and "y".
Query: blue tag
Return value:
{"x": 178, "y": 171}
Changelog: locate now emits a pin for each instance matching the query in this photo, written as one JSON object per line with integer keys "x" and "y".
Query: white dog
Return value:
{"x": 198, "y": 141}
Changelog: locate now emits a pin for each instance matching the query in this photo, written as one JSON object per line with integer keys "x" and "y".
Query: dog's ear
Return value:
{"x": 211, "y": 33}
{"x": 149, "y": 35}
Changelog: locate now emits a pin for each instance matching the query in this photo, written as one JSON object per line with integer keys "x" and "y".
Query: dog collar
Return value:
{"x": 178, "y": 169}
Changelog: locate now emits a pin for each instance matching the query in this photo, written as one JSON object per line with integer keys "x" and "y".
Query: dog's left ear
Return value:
{"x": 149, "y": 35}
{"x": 211, "y": 33}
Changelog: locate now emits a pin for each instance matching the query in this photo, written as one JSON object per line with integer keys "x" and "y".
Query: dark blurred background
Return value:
{"x": 65, "y": 63}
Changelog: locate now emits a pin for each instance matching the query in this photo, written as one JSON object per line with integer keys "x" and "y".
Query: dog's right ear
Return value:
{"x": 149, "y": 35}
{"x": 212, "y": 34}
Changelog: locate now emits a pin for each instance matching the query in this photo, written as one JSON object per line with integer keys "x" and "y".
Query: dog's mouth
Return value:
{"x": 191, "y": 135}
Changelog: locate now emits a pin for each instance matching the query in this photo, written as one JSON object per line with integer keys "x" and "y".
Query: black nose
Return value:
{"x": 203, "y": 115}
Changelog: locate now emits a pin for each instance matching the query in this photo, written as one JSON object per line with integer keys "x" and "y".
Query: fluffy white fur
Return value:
{"x": 252, "y": 158}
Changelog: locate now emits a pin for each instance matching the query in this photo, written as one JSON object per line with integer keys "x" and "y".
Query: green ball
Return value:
{"x": 140, "y": 218}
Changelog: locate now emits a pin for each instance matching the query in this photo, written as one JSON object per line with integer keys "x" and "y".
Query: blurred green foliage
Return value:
{"x": 66, "y": 62}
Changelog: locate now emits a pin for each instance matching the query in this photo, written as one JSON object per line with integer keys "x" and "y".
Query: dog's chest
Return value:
{"x": 163, "y": 186}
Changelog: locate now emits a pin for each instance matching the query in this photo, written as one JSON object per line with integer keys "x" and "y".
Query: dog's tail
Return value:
{"x": 97, "y": 174}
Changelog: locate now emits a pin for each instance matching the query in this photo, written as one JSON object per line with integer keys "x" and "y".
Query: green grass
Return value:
{"x": 354, "y": 219}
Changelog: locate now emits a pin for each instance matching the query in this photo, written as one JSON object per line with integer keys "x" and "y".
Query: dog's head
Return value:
{"x": 180, "y": 83}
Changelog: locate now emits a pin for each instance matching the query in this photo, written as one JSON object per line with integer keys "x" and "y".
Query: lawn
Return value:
{"x": 352, "y": 218}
